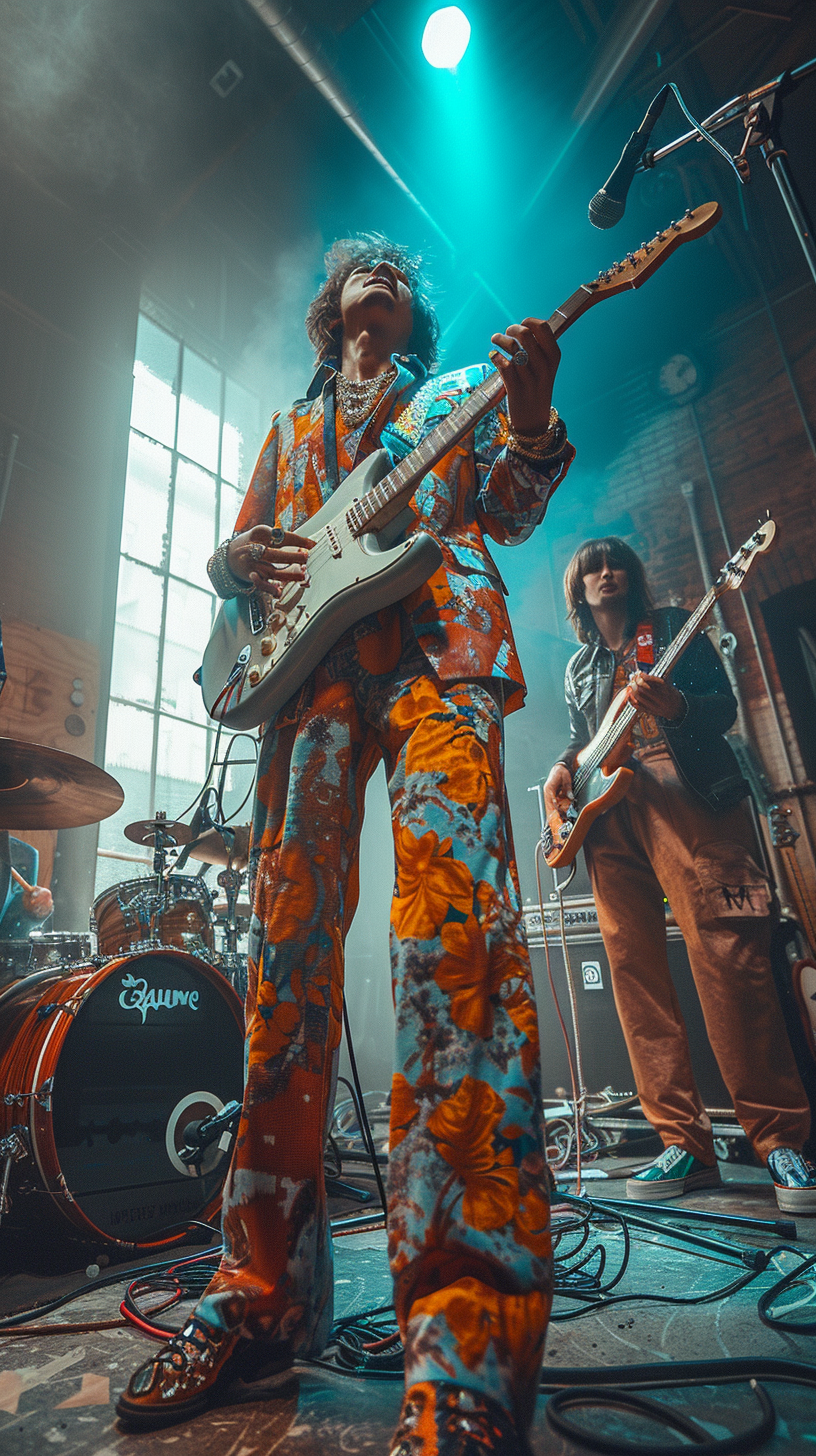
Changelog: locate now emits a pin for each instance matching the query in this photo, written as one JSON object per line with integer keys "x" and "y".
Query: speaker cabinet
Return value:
{"x": 605, "y": 1058}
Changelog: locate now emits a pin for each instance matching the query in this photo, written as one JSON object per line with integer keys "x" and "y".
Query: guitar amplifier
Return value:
{"x": 605, "y": 1058}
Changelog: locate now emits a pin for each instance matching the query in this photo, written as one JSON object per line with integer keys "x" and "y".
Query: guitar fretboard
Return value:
{"x": 405, "y": 477}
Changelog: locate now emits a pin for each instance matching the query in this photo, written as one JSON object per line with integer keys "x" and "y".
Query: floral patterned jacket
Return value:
{"x": 459, "y": 615}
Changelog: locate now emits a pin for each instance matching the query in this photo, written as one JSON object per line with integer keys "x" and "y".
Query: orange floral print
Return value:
{"x": 429, "y": 883}
{"x": 470, "y": 975}
{"x": 463, "y": 1126}
{"x": 520, "y": 1007}
{"x": 404, "y": 1108}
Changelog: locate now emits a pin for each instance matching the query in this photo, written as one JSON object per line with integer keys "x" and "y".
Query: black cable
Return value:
{"x": 365, "y": 1127}
{"x": 769, "y": 1297}
{"x": 101, "y": 1283}
{"x": 670, "y": 1418}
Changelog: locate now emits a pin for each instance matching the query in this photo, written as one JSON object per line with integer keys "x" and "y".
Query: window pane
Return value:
{"x": 239, "y": 777}
{"x": 128, "y": 750}
{"x": 155, "y": 375}
{"x": 230, "y": 506}
{"x": 136, "y": 638}
{"x": 187, "y": 631}
{"x": 144, "y": 524}
{"x": 242, "y": 437}
{"x": 193, "y": 539}
{"x": 181, "y": 766}
{"x": 199, "y": 410}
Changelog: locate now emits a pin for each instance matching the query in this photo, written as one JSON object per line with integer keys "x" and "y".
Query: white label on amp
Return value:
{"x": 592, "y": 975}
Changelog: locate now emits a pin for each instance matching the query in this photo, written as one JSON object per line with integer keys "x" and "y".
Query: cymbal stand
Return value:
{"x": 230, "y": 881}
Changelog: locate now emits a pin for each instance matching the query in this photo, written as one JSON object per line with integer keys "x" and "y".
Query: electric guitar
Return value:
{"x": 263, "y": 648}
{"x": 600, "y": 777}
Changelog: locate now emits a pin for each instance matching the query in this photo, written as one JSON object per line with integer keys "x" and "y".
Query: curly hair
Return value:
{"x": 323, "y": 323}
{"x": 591, "y": 557}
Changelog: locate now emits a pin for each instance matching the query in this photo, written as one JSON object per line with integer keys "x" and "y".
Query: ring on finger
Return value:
{"x": 256, "y": 550}
{"x": 277, "y": 536}
{"x": 521, "y": 357}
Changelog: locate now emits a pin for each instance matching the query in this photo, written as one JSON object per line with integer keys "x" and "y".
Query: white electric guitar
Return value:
{"x": 263, "y": 648}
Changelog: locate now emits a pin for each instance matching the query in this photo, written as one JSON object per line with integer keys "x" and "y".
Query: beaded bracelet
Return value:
{"x": 543, "y": 447}
{"x": 223, "y": 578}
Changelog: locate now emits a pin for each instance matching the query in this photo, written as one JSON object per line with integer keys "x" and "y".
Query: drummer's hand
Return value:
{"x": 38, "y": 901}
{"x": 251, "y": 558}
{"x": 558, "y": 789}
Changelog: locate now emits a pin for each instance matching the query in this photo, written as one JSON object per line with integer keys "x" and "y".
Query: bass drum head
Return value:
{"x": 155, "y": 1046}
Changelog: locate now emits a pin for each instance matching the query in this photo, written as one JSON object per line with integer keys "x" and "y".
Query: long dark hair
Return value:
{"x": 591, "y": 557}
{"x": 323, "y": 323}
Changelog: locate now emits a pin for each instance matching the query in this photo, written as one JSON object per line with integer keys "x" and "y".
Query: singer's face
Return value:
{"x": 610, "y": 584}
{"x": 378, "y": 298}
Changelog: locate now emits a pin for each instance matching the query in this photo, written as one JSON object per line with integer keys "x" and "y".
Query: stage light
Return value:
{"x": 446, "y": 37}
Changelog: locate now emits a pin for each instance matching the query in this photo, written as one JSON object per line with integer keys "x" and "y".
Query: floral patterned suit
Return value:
{"x": 424, "y": 686}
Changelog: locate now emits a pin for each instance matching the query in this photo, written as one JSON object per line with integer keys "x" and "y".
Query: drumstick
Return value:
{"x": 24, "y": 885}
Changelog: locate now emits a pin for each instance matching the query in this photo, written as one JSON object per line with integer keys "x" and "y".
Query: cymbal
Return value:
{"x": 44, "y": 788}
{"x": 173, "y": 832}
{"x": 212, "y": 849}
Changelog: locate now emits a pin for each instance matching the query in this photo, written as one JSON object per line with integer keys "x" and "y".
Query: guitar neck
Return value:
{"x": 377, "y": 505}
{"x": 613, "y": 735}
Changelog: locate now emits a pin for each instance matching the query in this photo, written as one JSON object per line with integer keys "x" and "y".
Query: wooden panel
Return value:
{"x": 36, "y": 705}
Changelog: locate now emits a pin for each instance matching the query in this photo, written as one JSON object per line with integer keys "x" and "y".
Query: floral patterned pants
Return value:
{"x": 469, "y": 1240}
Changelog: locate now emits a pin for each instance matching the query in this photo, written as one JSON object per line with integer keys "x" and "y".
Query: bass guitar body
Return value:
{"x": 604, "y": 785}
{"x": 262, "y": 649}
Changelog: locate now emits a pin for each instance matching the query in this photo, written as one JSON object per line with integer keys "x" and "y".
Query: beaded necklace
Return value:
{"x": 357, "y": 397}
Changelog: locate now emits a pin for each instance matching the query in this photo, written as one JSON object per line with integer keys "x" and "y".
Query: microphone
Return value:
{"x": 608, "y": 206}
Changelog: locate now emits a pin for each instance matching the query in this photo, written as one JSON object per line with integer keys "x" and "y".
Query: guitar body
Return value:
{"x": 279, "y": 642}
{"x": 606, "y": 785}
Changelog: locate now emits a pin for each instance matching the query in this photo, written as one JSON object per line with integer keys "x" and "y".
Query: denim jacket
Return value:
{"x": 704, "y": 760}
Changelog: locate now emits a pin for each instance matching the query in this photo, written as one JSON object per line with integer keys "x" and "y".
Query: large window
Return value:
{"x": 193, "y": 440}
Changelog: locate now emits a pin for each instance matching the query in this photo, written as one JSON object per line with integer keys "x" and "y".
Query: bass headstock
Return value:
{"x": 640, "y": 265}
{"x": 732, "y": 574}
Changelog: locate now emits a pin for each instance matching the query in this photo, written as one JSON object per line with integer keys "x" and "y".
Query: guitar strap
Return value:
{"x": 644, "y": 646}
{"x": 330, "y": 437}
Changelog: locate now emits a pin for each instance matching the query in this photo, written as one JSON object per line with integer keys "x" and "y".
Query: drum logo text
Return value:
{"x": 138, "y": 996}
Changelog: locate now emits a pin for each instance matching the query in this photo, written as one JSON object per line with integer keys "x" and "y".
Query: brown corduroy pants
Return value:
{"x": 659, "y": 840}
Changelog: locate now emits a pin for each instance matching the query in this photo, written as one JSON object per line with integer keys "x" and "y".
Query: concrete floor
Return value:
{"x": 58, "y": 1391}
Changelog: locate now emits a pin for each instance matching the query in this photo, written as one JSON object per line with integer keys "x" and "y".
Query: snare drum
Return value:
{"x": 58, "y": 948}
{"x": 101, "y": 1074}
{"x": 178, "y": 912}
{"x": 15, "y": 960}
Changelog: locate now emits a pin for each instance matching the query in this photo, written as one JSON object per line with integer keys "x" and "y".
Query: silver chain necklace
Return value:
{"x": 357, "y": 397}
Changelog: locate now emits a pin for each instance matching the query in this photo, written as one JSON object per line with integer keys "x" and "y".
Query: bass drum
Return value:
{"x": 102, "y": 1072}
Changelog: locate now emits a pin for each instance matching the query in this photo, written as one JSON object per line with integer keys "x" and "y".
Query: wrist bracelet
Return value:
{"x": 546, "y": 447}
{"x": 533, "y": 442}
{"x": 223, "y": 578}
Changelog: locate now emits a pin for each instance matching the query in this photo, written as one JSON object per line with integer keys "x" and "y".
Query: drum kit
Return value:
{"x": 111, "y": 1056}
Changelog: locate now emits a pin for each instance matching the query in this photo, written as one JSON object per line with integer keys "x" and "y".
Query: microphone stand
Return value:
{"x": 761, "y": 112}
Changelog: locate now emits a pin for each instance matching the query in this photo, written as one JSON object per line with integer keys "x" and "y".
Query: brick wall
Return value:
{"x": 747, "y": 422}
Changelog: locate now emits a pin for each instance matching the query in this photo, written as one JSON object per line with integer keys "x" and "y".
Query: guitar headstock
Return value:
{"x": 732, "y": 574}
{"x": 637, "y": 267}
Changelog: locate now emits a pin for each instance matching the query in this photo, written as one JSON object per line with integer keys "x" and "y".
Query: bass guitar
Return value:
{"x": 262, "y": 649}
{"x": 600, "y": 777}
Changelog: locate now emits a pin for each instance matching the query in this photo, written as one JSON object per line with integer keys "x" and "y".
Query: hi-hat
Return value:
{"x": 44, "y": 788}
{"x": 212, "y": 848}
{"x": 171, "y": 832}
